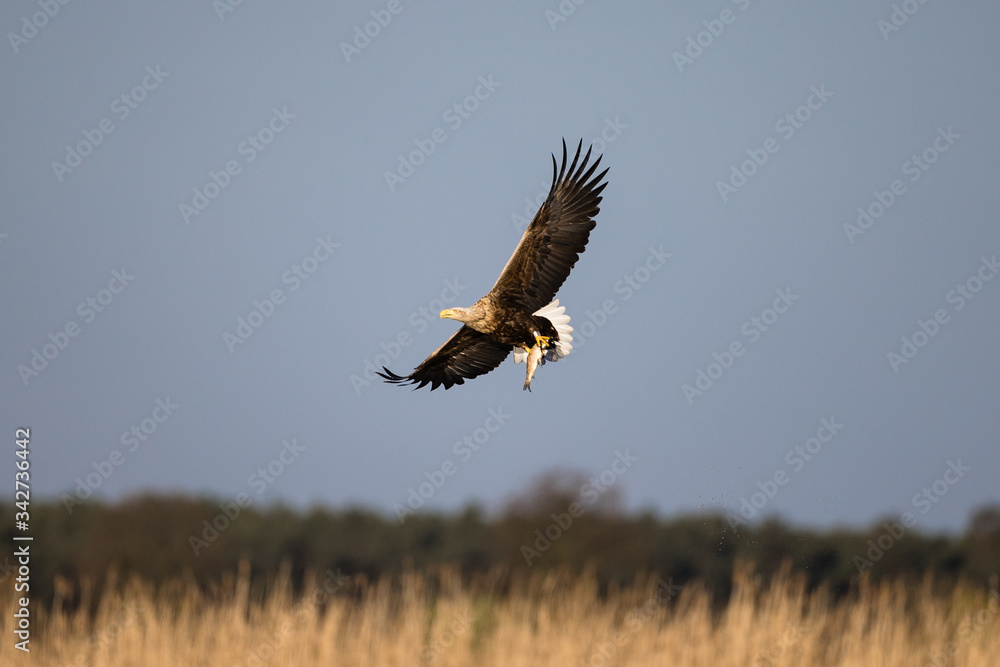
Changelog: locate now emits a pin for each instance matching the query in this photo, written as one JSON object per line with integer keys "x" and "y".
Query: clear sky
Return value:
{"x": 218, "y": 217}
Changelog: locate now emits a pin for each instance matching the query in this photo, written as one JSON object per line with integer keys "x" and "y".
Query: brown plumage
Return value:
{"x": 510, "y": 316}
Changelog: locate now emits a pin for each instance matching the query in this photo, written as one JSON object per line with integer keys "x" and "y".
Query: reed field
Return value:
{"x": 510, "y": 620}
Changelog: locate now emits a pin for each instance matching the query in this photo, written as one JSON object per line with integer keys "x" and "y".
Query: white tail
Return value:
{"x": 556, "y": 314}
{"x": 560, "y": 320}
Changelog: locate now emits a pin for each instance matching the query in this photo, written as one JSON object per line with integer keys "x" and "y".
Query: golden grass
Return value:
{"x": 551, "y": 619}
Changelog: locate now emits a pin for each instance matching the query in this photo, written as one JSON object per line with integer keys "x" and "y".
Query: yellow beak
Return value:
{"x": 447, "y": 313}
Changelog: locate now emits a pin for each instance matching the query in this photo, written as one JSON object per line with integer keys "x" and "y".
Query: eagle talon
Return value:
{"x": 542, "y": 341}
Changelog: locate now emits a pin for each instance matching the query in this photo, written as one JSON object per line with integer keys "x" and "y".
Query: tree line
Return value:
{"x": 161, "y": 538}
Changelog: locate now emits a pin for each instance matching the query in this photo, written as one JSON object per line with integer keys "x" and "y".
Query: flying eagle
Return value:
{"x": 519, "y": 312}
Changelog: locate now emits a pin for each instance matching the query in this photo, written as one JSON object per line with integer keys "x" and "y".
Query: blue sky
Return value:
{"x": 219, "y": 218}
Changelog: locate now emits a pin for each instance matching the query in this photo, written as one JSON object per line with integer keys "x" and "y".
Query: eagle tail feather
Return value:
{"x": 556, "y": 314}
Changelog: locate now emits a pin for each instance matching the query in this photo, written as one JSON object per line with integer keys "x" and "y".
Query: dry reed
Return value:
{"x": 544, "y": 619}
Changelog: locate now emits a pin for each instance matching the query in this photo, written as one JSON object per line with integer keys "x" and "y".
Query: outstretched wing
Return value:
{"x": 465, "y": 355}
{"x": 555, "y": 238}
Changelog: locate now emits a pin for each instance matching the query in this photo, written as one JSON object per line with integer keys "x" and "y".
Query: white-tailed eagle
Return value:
{"x": 519, "y": 313}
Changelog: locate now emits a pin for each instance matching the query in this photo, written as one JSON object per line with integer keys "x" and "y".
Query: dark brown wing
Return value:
{"x": 555, "y": 238}
{"x": 465, "y": 355}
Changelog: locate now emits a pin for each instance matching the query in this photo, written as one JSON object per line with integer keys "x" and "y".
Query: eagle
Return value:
{"x": 519, "y": 313}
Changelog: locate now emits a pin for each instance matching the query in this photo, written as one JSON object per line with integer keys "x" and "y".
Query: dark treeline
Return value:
{"x": 165, "y": 537}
